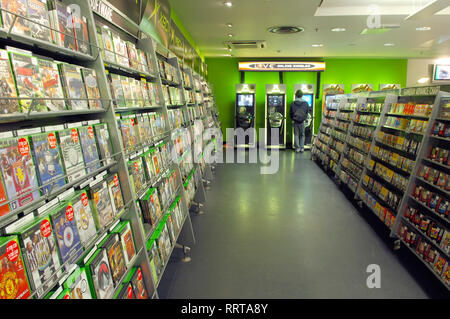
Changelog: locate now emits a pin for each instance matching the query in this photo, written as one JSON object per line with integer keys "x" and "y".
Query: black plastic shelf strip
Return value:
{"x": 385, "y": 183}
{"x": 396, "y": 150}
{"x": 390, "y": 166}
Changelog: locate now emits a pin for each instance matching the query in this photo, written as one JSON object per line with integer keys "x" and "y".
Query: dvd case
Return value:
{"x": 82, "y": 42}
{"x": 139, "y": 287}
{"x": 143, "y": 64}
{"x": 126, "y": 238}
{"x": 151, "y": 207}
{"x": 74, "y": 86}
{"x": 13, "y": 276}
{"x": 115, "y": 193}
{"x": 47, "y": 159}
{"x": 137, "y": 175}
{"x": 108, "y": 46}
{"x": 125, "y": 292}
{"x": 104, "y": 143}
{"x": 89, "y": 148}
{"x": 19, "y": 10}
{"x": 101, "y": 203}
{"x": 18, "y": 171}
{"x": 116, "y": 260}
{"x": 117, "y": 90}
{"x": 62, "y": 17}
{"x": 78, "y": 285}
{"x": 72, "y": 154}
{"x": 51, "y": 84}
{"x": 39, "y": 20}
{"x": 66, "y": 233}
{"x": 84, "y": 217}
{"x": 92, "y": 89}
{"x": 99, "y": 275}
{"x": 132, "y": 55}
{"x": 4, "y": 207}
{"x": 128, "y": 97}
{"x": 120, "y": 48}
{"x": 7, "y": 86}
{"x": 28, "y": 82}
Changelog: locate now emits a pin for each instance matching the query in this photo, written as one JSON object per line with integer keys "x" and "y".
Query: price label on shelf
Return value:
{"x": 29, "y": 131}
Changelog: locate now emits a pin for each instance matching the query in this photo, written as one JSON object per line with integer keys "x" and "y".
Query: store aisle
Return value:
{"x": 289, "y": 235}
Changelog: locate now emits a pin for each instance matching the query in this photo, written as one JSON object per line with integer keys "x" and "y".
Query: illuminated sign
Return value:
{"x": 282, "y": 66}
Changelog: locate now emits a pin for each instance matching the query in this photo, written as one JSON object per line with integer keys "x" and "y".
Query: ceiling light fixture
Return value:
{"x": 338, "y": 29}
{"x": 230, "y": 35}
{"x": 317, "y": 45}
{"x": 423, "y": 29}
{"x": 423, "y": 80}
{"x": 229, "y": 25}
{"x": 228, "y": 3}
{"x": 389, "y": 44}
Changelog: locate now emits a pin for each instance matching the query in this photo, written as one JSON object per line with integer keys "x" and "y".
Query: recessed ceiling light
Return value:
{"x": 228, "y": 3}
{"x": 317, "y": 45}
{"x": 338, "y": 29}
{"x": 423, "y": 80}
{"x": 389, "y": 44}
{"x": 423, "y": 28}
{"x": 229, "y": 25}
{"x": 230, "y": 35}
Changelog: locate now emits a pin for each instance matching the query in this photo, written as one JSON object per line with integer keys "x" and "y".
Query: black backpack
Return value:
{"x": 300, "y": 114}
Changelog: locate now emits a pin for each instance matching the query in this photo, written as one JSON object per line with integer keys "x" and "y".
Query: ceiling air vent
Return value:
{"x": 286, "y": 30}
{"x": 250, "y": 44}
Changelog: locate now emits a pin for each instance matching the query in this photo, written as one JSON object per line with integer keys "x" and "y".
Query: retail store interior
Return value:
{"x": 149, "y": 149}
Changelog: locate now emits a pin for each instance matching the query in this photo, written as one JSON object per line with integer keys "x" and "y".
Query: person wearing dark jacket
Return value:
{"x": 299, "y": 113}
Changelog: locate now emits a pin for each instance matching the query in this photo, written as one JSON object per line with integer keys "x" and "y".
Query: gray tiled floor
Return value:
{"x": 289, "y": 235}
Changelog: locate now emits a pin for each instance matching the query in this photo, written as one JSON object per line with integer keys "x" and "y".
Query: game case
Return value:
{"x": 71, "y": 153}
{"x": 77, "y": 285}
{"x": 115, "y": 193}
{"x": 92, "y": 89}
{"x": 4, "y": 207}
{"x": 81, "y": 34}
{"x": 132, "y": 55}
{"x": 125, "y": 292}
{"x": 139, "y": 287}
{"x": 13, "y": 277}
{"x": 120, "y": 49}
{"x": 19, "y": 7}
{"x": 142, "y": 61}
{"x": 7, "y": 86}
{"x": 74, "y": 86}
{"x": 40, "y": 255}
{"x": 151, "y": 207}
{"x": 40, "y": 22}
{"x": 127, "y": 241}
{"x": 47, "y": 159}
{"x": 102, "y": 204}
{"x": 129, "y": 134}
{"x": 117, "y": 90}
{"x": 156, "y": 257}
{"x": 66, "y": 233}
{"x": 62, "y": 16}
{"x": 84, "y": 218}
{"x": 137, "y": 175}
{"x": 116, "y": 260}
{"x": 51, "y": 84}
{"x": 89, "y": 148}
{"x": 99, "y": 275}
{"x": 108, "y": 47}
{"x": 18, "y": 171}
{"x": 104, "y": 143}
{"x": 128, "y": 97}
{"x": 28, "y": 82}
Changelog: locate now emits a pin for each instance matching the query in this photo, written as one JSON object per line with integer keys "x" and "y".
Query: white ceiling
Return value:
{"x": 206, "y": 21}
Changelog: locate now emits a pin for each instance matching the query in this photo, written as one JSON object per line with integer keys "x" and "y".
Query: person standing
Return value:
{"x": 299, "y": 114}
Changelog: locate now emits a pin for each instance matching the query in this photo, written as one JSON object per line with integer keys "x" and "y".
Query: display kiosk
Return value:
{"x": 275, "y": 115}
{"x": 309, "y": 90}
{"x": 245, "y": 113}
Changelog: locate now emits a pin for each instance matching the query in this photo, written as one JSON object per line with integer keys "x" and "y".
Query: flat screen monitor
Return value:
{"x": 245, "y": 100}
{"x": 441, "y": 73}
{"x": 275, "y": 100}
{"x": 308, "y": 98}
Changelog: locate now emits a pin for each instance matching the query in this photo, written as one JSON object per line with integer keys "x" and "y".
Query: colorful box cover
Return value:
{"x": 115, "y": 192}
{"x": 126, "y": 91}
{"x": 145, "y": 129}
{"x": 120, "y": 48}
{"x": 149, "y": 168}
{"x": 72, "y": 154}
{"x": 89, "y": 148}
{"x": 104, "y": 143}
{"x": 116, "y": 260}
{"x": 132, "y": 56}
{"x": 81, "y": 34}
{"x": 125, "y": 292}
{"x": 157, "y": 260}
{"x": 4, "y": 207}
{"x": 129, "y": 132}
{"x": 13, "y": 276}
{"x": 151, "y": 207}
{"x": 84, "y": 218}
{"x": 40, "y": 21}
{"x": 47, "y": 159}
{"x": 99, "y": 275}
{"x": 139, "y": 287}
{"x": 143, "y": 64}
{"x": 40, "y": 255}
{"x": 7, "y": 86}
{"x": 74, "y": 86}
{"x": 18, "y": 171}
{"x": 66, "y": 233}
{"x": 101, "y": 203}
{"x": 52, "y": 86}
{"x": 117, "y": 90}
{"x": 19, "y": 7}
{"x": 28, "y": 82}
{"x": 108, "y": 47}
{"x": 137, "y": 175}
{"x": 78, "y": 285}
{"x": 92, "y": 89}
{"x": 126, "y": 237}
{"x": 145, "y": 93}
{"x": 62, "y": 16}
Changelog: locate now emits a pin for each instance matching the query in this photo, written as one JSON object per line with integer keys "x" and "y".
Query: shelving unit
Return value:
{"x": 385, "y": 148}
{"x": 202, "y": 114}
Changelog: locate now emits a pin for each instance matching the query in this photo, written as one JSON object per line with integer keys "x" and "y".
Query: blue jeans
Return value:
{"x": 299, "y": 136}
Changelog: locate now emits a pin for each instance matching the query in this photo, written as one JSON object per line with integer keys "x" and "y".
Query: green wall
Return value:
{"x": 223, "y": 74}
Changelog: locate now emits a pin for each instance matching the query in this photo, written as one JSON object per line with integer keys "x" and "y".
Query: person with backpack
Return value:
{"x": 299, "y": 114}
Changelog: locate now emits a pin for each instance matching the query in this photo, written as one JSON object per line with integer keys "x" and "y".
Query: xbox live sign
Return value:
{"x": 282, "y": 66}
